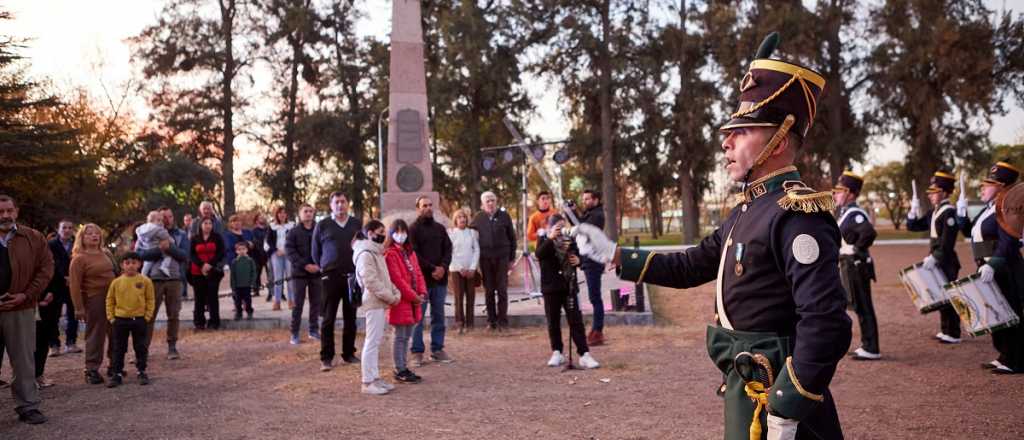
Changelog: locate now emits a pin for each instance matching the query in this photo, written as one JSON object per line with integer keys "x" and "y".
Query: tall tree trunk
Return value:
{"x": 834, "y": 94}
{"x": 227, "y": 15}
{"x": 608, "y": 167}
{"x": 691, "y": 210}
{"x": 289, "y": 130}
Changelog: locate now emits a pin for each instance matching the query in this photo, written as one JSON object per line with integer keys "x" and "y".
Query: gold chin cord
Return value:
{"x": 780, "y": 133}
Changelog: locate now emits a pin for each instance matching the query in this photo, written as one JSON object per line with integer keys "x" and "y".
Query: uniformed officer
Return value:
{"x": 856, "y": 268}
{"x": 997, "y": 254}
{"x": 781, "y": 326}
{"x": 940, "y": 221}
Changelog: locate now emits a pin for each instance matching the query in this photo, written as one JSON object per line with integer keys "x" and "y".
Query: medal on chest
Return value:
{"x": 739, "y": 259}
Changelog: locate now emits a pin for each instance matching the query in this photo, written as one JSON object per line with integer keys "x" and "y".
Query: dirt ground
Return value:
{"x": 654, "y": 383}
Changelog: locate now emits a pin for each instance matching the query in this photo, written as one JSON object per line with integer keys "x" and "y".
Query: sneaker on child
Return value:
{"x": 556, "y": 359}
{"x": 588, "y": 362}
{"x": 373, "y": 389}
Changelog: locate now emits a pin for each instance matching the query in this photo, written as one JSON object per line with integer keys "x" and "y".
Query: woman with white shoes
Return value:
{"x": 378, "y": 294}
{"x": 559, "y": 259}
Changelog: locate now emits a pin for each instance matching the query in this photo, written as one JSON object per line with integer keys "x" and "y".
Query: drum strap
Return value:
{"x": 976, "y": 234}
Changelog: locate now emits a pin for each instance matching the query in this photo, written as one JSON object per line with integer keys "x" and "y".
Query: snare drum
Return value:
{"x": 925, "y": 287}
{"x": 981, "y": 306}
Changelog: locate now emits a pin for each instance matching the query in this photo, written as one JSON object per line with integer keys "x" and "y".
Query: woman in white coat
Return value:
{"x": 378, "y": 294}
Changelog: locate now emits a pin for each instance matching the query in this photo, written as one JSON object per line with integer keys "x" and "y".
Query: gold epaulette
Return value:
{"x": 800, "y": 197}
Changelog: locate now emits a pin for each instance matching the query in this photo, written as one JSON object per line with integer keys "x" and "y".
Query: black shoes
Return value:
{"x": 350, "y": 359}
{"x": 143, "y": 379}
{"x": 92, "y": 377}
{"x": 406, "y": 376}
{"x": 115, "y": 381}
{"x": 32, "y": 417}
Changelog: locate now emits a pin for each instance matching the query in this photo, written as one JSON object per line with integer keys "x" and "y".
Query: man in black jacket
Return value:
{"x": 305, "y": 274}
{"x": 593, "y": 213}
{"x": 60, "y": 247}
{"x": 433, "y": 249}
{"x": 497, "y": 251}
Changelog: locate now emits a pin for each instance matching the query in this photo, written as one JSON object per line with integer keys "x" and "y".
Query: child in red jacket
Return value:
{"x": 405, "y": 274}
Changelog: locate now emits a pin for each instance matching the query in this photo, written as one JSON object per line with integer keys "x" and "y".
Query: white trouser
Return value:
{"x": 376, "y": 324}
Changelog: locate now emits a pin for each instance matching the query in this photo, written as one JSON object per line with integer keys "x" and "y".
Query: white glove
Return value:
{"x": 542, "y": 232}
{"x": 593, "y": 244}
{"x": 780, "y": 428}
{"x": 987, "y": 273}
{"x": 929, "y": 262}
{"x": 915, "y": 209}
{"x": 961, "y": 206}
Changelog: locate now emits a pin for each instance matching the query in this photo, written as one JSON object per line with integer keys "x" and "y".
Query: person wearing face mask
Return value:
{"x": 26, "y": 267}
{"x": 781, "y": 326}
{"x": 429, "y": 239}
{"x": 404, "y": 270}
{"x": 997, "y": 254}
{"x": 379, "y": 293}
{"x": 332, "y": 252}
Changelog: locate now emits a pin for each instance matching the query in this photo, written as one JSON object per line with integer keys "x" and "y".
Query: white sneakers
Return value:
{"x": 946, "y": 339}
{"x": 588, "y": 361}
{"x": 384, "y": 384}
{"x": 377, "y": 388}
{"x": 862, "y": 354}
{"x": 556, "y": 359}
{"x": 373, "y": 389}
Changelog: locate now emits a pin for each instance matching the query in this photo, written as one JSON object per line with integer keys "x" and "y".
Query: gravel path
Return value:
{"x": 654, "y": 383}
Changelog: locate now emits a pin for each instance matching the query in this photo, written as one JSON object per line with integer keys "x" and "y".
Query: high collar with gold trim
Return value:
{"x": 769, "y": 183}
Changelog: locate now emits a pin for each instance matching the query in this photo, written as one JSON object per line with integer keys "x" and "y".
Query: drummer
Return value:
{"x": 941, "y": 222}
{"x": 856, "y": 268}
{"x": 998, "y": 257}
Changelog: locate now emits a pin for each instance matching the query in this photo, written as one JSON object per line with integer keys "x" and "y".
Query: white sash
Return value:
{"x": 938, "y": 213}
{"x": 847, "y": 248}
{"x": 976, "y": 229}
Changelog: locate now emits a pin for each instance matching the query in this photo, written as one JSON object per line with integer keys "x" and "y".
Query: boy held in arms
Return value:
{"x": 130, "y": 305}
{"x": 243, "y": 278}
{"x": 149, "y": 236}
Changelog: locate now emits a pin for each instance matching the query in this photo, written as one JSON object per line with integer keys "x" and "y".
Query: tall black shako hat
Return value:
{"x": 849, "y": 182}
{"x": 776, "y": 93}
{"x": 941, "y": 182}
{"x": 1002, "y": 174}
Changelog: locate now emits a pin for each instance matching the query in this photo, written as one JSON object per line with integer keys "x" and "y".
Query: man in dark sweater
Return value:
{"x": 497, "y": 252}
{"x": 593, "y": 213}
{"x": 60, "y": 247}
{"x": 433, "y": 249}
{"x": 332, "y": 251}
{"x": 305, "y": 274}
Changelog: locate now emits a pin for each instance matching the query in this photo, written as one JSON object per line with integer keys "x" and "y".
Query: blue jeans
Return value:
{"x": 593, "y": 275}
{"x": 281, "y": 269}
{"x": 435, "y": 297}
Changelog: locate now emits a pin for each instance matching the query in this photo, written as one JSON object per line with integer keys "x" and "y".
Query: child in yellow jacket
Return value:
{"x": 130, "y": 305}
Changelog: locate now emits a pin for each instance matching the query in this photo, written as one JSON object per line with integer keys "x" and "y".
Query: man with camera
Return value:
{"x": 559, "y": 258}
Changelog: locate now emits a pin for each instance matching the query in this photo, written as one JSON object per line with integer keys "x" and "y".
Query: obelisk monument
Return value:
{"x": 409, "y": 170}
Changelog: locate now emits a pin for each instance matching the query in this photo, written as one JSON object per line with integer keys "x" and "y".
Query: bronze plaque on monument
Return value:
{"x": 410, "y": 137}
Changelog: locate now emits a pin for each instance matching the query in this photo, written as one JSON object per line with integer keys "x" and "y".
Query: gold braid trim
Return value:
{"x": 796, "y": 383}
{"x": 647, "y": 264}
{"x": 805, "y": 200}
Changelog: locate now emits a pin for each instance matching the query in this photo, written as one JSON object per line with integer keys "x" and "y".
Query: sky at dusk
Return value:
{"x": 82, "y": 44}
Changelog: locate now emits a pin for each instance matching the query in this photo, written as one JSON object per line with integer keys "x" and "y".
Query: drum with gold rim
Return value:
{"x": 982, "y": 307}
{"x": 925, "y": 286}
